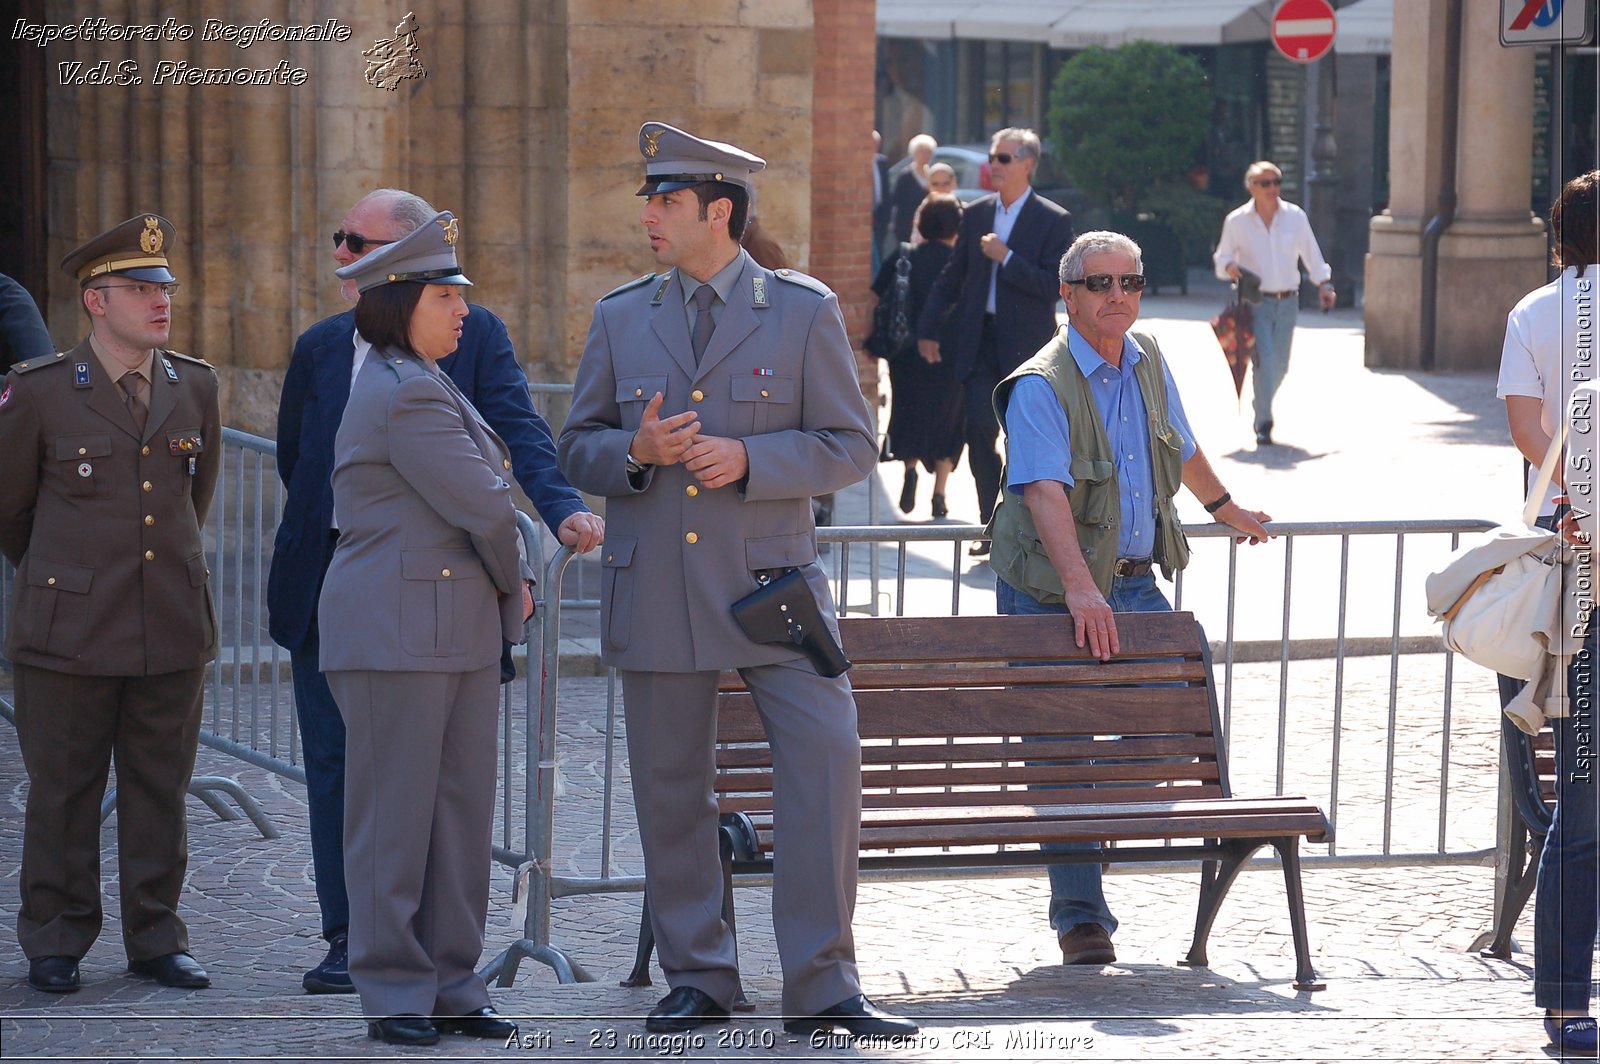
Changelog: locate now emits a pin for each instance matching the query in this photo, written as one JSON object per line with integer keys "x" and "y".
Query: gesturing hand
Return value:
{"x": 663, "y": 441}
{"x": 717, "y": 460}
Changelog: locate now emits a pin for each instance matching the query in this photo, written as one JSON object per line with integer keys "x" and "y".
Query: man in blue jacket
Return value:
{"x": 325, "y": 361}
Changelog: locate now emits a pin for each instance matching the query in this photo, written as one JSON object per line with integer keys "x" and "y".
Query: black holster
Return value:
{"x": 783, "y": 610}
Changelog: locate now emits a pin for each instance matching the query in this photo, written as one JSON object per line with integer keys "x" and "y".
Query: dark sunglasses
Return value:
{"x": 1267, "y": 182}
{"x": 1002, "y": 157}
{"x": 1101, "y": 282}
{"x": 356, "y": 242}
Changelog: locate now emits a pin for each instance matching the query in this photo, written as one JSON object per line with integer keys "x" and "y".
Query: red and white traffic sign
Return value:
{"x": 1303, "y": 29}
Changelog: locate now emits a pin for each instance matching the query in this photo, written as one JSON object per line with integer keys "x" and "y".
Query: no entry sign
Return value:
{"x": 1303, "y": 29}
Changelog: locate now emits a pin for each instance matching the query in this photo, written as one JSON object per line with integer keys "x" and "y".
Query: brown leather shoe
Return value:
{"x": 1087, "y": 944}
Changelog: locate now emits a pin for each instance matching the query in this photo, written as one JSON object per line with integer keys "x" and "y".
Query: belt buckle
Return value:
{"x": 1129, "y": 566}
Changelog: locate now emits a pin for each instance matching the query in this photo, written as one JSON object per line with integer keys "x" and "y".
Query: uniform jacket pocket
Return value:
{"x": 432, "y": 589}
{"x": 634, "y": 392}
{"x": 762, "y": 401}
{"x": 57, "y": 613}
{"x": 617, "y": 594}
{"x": 81, "y": 461}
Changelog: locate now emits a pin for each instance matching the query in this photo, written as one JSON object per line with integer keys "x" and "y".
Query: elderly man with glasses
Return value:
{"x": 1270, "y": 238}
{"x": 1097, "y": 399}
{"x": 1001, "y": 282}
{"x": 325, "y": 361}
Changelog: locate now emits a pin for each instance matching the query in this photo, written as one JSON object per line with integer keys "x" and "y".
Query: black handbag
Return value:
{"x": 891, "y": 318}
{"x": 783, "y": 610}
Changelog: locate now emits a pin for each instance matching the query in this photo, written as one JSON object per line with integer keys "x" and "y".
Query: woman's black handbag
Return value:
{"x": 784, "y": 611}
{"x": 891, "y": 319}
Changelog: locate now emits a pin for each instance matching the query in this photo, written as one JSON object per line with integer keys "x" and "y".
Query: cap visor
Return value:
{"x": 652, "y": 188}
{"x": 159, "y": 274}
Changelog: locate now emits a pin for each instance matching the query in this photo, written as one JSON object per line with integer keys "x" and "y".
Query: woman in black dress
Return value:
{"x": 925, "y": 418}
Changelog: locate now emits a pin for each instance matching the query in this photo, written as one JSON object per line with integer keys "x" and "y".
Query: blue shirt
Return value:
{"x": 1037, "y": 437}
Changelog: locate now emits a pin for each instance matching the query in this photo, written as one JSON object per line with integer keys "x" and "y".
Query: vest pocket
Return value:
{"x": 1093, "y": 494}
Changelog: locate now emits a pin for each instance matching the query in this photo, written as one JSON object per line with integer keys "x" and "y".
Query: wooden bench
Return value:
{"x": 949, "y": 784}
{"x": 1531, "y": 771}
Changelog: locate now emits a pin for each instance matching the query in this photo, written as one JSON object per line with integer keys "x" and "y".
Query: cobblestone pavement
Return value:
{"x": 973, "y": 960}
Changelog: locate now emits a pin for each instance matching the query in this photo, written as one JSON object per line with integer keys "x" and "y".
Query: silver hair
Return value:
{"x": 1028, "y": 145}
{"x": 1089, "y": 243}
{"x": 409, "y": 211}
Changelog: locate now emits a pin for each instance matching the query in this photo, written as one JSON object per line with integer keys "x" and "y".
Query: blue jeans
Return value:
{"x": 1564, "y": 908}
{"x": 1076, "y": 895}
{"x": 1274, "y": 324}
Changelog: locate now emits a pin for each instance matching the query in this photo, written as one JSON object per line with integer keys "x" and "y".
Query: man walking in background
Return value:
{"x": 1001, "y": 286}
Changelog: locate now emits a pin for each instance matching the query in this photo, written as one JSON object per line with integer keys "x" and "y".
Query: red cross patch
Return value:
{"x": 5, "y": 395}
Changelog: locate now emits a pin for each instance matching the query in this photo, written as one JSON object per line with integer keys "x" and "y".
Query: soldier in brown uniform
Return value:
{"x": 110, "y": 457}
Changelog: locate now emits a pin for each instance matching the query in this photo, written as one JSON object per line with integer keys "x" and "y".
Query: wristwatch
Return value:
{"x": 635, "y": 466}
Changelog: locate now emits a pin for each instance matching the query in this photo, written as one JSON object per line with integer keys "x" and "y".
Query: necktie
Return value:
{"x": 703, "y": 323}
{"x": 133, "y": 386}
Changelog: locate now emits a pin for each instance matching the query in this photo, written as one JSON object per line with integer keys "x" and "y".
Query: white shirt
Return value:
{"x": 1549, "y": 347}
{"x": 1273, "y": 252}
{"x": 1005, "y": 219}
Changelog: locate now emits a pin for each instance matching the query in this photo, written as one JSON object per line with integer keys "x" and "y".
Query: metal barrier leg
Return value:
{"x": 502, "y": 971}
{"x": 202, "y": 787}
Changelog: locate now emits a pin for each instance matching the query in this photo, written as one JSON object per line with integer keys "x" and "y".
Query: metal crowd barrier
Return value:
{"x": 1398, "y": 773}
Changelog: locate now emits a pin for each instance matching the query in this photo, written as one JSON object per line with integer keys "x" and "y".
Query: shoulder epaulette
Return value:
{"x": 42, "y": 361}
{"x": 804, "y": 280}
{"x": 189, "y": 358}
{"x": 635, "y": 283}
{"x": 403, "y": 367}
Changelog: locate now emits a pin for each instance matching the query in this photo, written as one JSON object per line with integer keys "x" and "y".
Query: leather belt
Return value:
{"x": 1282, "y": 295}
{"x": 1131, "y": 567}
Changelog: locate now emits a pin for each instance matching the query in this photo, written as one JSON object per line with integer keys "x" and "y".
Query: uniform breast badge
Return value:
{"x": 80, "y": 375}
{"x": 85, "y": 469}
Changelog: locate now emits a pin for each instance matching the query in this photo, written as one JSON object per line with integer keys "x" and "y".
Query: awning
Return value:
{"x": 1073, "y": 24}
{"x": 1365, "y": 27}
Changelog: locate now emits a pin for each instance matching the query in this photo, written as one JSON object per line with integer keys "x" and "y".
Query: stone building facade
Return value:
{"x": 525, "y": 124}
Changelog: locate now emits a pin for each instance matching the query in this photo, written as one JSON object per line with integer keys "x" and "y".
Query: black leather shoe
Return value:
{"x": 858, "y": 1016}
{"x": 484, "y": 1023}
{"x": 979, "y": 549}
{"x": 332, "y": 976}
{"x": 53, "y": 975}
{"x": 1264, "y": 434}
{"x": 173, "y": 969}
{"x": 940, "y": 509}
{"x": 908, "y": 492}
{"x": 404, "y": 1030}
{"x": 683, "y": 1010}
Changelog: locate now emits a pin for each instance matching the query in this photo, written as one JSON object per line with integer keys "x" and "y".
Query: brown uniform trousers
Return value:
{"x": 110, "y": 629}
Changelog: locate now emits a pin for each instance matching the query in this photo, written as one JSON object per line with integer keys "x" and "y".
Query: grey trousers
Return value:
{"x": 811, "y": 726}
{"x": 418, "y": 831}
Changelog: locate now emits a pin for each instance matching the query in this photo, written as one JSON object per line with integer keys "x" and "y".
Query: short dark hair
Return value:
{"x": 708, "y": 191}
{"x": 383, "y": 314}
{"x": 939, "y": 218}
{"x": 1575, "y": 222}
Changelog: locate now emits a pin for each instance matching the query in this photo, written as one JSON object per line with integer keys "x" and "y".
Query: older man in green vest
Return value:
{"x": 1097, "y": 445}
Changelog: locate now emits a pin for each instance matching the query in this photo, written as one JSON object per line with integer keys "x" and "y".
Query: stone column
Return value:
{"x": 1494, "y": 251}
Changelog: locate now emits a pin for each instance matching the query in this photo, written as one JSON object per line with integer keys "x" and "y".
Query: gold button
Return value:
{"x": 51, "y": 581}
{"x": 692, "y": 490}
{"x": 149, "y": 519}
{"x": 444, "y": 572}
{"x": 765, "y": 394}
{"x": 506, "y": 462}
{"x": 148, "y": 486}
{"x": 83, "y": 450}
{"x": 697, "y": 395}
{"x": 149, "y": 555}
{"x": 611, "y": 557}
{"x": 145, "y": 452}
{"x": 638, "y": 392}
{"x": 691, "y": 537}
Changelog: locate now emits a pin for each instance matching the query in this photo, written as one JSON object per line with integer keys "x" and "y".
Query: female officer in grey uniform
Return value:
{"x": 425, "y": 582}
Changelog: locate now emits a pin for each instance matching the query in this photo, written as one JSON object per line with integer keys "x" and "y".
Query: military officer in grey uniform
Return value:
{"x": 425, "y": 582}
{"x": 110, "y": 457}
{"x": 713, "y": 401}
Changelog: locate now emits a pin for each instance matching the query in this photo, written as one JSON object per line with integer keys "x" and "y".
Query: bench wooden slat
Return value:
{"x": 871, "y": 800}
{"x": 880, "y": 752}
{"x": 893, "y": 777}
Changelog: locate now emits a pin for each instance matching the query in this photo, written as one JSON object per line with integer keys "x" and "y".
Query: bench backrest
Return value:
{"x": 944, "y": 704}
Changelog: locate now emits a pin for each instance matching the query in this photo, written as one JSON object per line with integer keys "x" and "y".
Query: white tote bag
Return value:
{"x": 1500, "y": 598}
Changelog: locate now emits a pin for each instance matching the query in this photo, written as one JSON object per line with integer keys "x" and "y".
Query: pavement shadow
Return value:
{"x": 1483, "y": 416}
{"x": 1277, "y": 456}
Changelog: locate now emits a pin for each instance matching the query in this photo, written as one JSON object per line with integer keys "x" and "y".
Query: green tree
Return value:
{"x": 1124, "y": 121}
